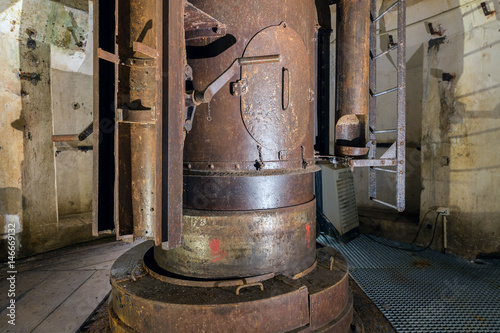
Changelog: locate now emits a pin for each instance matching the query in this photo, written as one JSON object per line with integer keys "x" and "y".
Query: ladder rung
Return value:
{"x": 384, "y": 203}
{"x": 385, "y": 52}
{"x": 385, "y": 131}
{"x": 385, "y": 92}
{"x": 386, "y": 11}
{"x": 386, "y": 170}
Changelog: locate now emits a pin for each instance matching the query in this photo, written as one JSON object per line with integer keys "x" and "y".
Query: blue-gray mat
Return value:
{"x": 424, "y": 291}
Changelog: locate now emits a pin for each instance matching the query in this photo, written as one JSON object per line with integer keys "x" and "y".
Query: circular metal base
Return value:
{"x": 317, "y": 302}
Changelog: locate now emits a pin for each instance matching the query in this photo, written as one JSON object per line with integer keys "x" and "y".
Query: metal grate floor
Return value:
{"x": 424, "y": 291}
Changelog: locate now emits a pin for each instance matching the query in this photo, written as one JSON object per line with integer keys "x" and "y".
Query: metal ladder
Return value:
{"x": 395, "y": 154}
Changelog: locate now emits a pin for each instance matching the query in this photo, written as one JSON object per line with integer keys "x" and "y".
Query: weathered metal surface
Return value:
{"x": 142, "y": 178}
{"x": 135, "y": 130}
{"x": 152, "y": 268}
{"x": 227, "y": 244}
{"x": 205, "y": 96}
{"x": 353, "y": 50}
{"x": 327, "y": 300}
{"x": 352, "y": 151}
{"x": 224, "y": 141}
{"x": 142, "y": 303}
{"x": 171, "y": 308}
{"x": 276, "y": 108}
{"x": 283, "y": 164}
{"x": 401, "y": 98}
{"x": 64, "y": 137}
{"x": 87, "y": 131}
{"x": 341, "y": 324}
{"x": 170, "y": 117}
{"x": 237, "y": 192}
{"x": 198, "y": 24}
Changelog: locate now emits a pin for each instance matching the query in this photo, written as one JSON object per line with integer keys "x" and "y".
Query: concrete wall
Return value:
{"x": 45, "y": 89}
{"x": 452, "y": 127}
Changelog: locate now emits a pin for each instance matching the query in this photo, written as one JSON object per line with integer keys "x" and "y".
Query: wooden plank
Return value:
{"x": 103, "y": 265}
{"x": 40, "y": 302}
{"x": 78, "y": 307}
{"x": 53, "y": 259}
{"x": 25, "y": 282}
{"x": 78, "y": 263}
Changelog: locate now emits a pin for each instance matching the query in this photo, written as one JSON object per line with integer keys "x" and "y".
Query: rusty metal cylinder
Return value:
{"x": 353, "y": 69}
{"x": 136, "y": 99}
{"x": 249, "y": 207}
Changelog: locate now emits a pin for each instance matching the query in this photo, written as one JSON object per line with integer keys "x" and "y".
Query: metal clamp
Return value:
{"x": 259, "y": 284}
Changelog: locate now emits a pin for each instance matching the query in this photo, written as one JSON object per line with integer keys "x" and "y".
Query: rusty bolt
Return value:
{"x": 237, "y": 166}
{"x": 211, "y": 166}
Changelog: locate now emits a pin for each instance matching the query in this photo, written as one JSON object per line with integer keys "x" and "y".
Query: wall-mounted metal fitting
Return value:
{"x": 282, "y": 155}
{"x": 487, "y": 12}
{"x": 391, "y": 43}
{"x": 239, "y": 87}
{"x": 435, "y": 32}
{"x": 448, "y": 76}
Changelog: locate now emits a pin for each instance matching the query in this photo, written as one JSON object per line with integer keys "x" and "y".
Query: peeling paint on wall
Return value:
{"x": 37, "y": 38}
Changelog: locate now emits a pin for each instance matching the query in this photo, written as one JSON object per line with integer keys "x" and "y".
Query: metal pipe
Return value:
{"x": 65, "y": 138}
{"x": 353, "y": 66}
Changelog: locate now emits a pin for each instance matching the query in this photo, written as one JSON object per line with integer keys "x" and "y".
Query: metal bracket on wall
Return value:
{"x": 393, "y": 160}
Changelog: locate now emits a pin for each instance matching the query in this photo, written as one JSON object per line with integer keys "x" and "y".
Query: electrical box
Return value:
{"x": 338, "y": 198}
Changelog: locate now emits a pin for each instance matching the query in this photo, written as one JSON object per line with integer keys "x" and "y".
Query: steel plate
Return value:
{"x": 276, "y": 106}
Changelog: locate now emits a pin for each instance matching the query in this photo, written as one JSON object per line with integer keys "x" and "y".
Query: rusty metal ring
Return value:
{"x": 305, "y": 272}
{"x": 203, "y": 283}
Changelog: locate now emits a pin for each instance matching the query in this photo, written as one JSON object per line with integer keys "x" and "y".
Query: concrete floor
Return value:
{"x": 59, "y": 290}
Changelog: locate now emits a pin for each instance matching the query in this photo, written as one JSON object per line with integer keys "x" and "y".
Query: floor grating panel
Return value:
{"x": 424, "y": 291}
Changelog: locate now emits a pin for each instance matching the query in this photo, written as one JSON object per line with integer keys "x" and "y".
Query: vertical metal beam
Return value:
{"x": 169, "y": 122}
{"x": 401, "y": 136}
{"x": 372, "y": 107}
{"x": 95, "y": 135}
{"x": 323, "y": 77}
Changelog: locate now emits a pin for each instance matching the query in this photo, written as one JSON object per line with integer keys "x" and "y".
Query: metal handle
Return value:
{"x": 285, "y": 88}
{"x": 259, "y": 284}
{"x": 205, "y": 96}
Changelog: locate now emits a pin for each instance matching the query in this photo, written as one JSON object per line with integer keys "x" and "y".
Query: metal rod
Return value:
{"x": 385, "y": 92}
{"x": 385, "y": 52}
{"x": 64, "y": 138}
{"x": 384, "y": 203}
{"x": 372, "y": 113}
{"x": 385, "y": 131}
{"x": 386, "y": 11}
{"x": 259, "y": 60}
{"x": 401, "y": 100}
{"x": 385, "y": 170}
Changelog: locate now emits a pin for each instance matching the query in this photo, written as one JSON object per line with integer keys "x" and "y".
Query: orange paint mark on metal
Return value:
{"x": 217, "y": 253}
{"x": 308, "y": 234}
